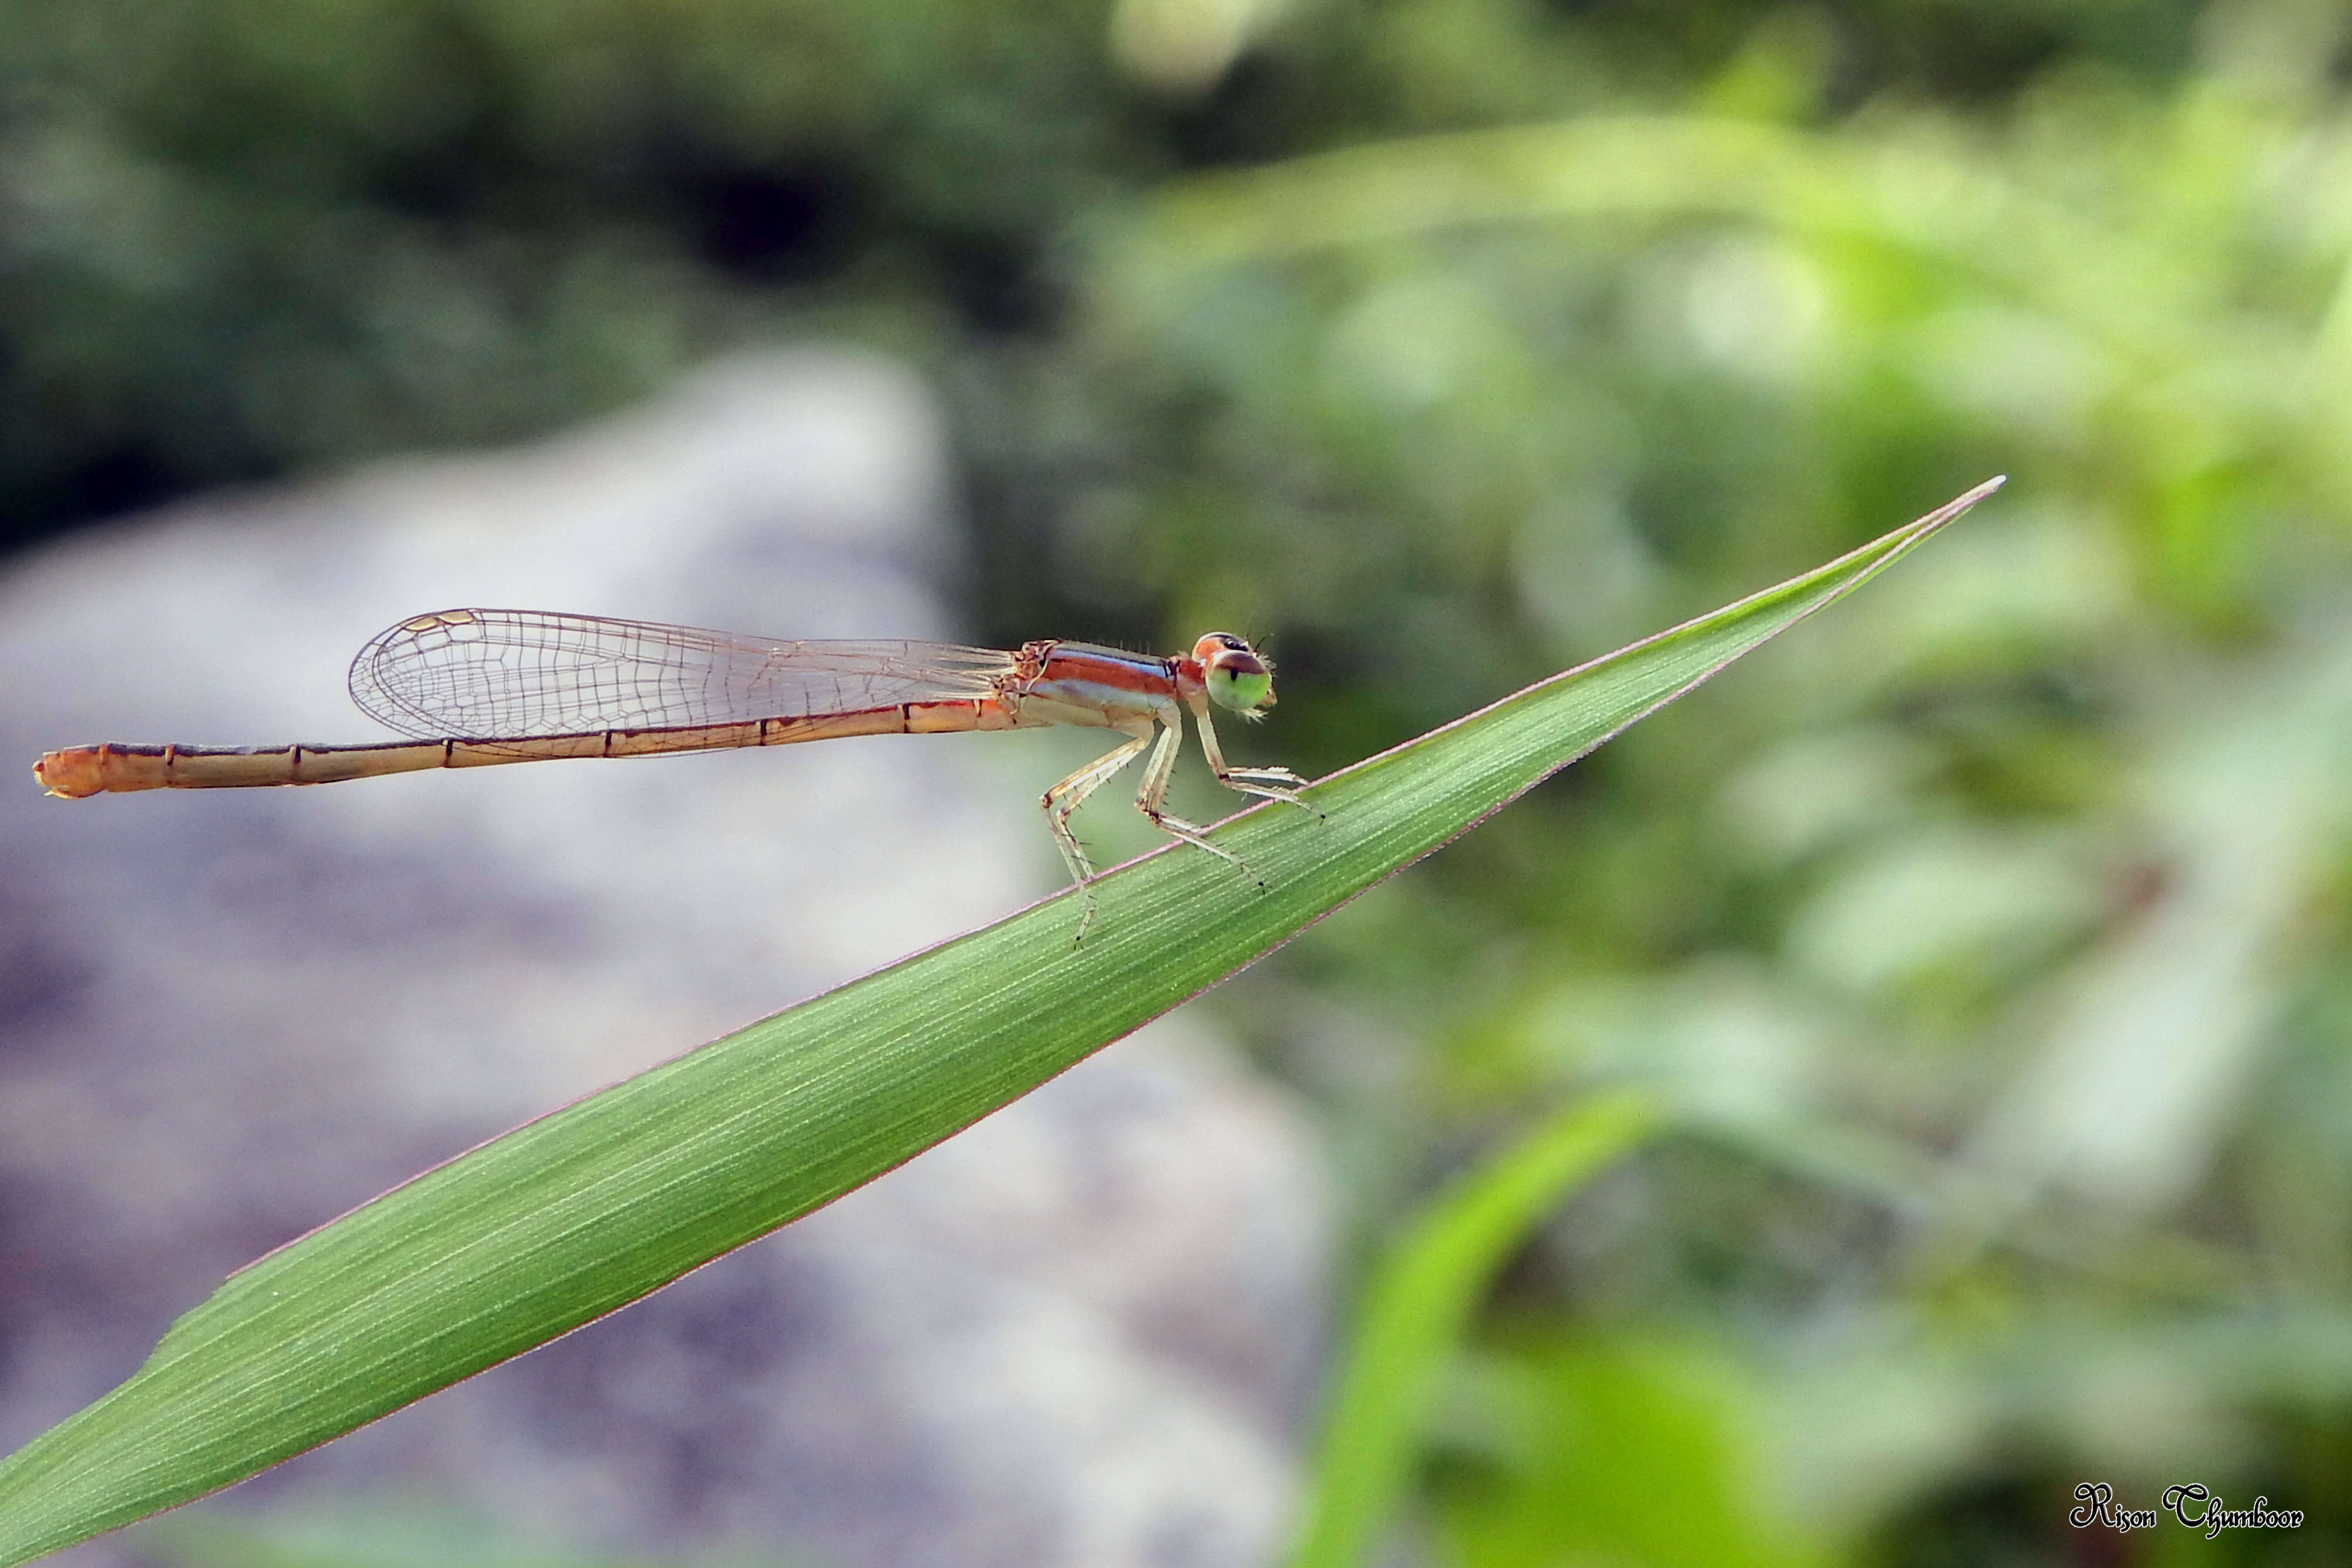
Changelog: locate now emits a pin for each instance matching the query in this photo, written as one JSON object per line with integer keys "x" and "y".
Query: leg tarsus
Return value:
{"x": 1176, "y": 827}
{"x": 1269, "y": 783}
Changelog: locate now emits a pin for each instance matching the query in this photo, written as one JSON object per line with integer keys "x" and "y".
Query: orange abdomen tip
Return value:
{"x": 70, "y": 774}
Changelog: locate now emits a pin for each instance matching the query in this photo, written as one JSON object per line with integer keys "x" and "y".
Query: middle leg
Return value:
{"x": 1154, "y": 791}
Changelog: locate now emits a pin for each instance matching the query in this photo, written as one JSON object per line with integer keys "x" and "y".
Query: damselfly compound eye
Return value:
{"x": 1236, "y": 678}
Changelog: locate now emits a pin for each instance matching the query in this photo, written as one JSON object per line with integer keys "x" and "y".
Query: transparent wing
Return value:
{"x": 517, "y": 674}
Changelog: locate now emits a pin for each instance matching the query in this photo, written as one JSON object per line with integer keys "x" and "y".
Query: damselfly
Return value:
{"x": 479, "y": 687}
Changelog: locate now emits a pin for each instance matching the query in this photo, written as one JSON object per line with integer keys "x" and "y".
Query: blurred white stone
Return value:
{"x": 1080, "y": 1333}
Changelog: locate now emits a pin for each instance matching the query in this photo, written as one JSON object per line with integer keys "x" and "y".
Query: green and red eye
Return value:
{"x": 1237, "y": 679}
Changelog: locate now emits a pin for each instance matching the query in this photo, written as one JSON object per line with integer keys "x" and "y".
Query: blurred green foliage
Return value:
{"x": 1987, "y": 940}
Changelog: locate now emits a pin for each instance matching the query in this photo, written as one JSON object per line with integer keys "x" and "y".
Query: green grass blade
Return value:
{"x": 573, "y": 1215}
{"x": 1416, "y": 1305}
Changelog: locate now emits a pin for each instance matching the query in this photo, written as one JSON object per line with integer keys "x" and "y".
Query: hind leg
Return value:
{"x": 1067, "y": 798}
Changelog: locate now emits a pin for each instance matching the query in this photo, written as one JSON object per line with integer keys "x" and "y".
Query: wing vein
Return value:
{"x": 521, "y": 674}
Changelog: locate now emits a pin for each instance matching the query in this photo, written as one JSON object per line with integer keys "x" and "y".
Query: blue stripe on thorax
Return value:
{"x": 1147, "y": 663}
{"x": 1153, "y": 691}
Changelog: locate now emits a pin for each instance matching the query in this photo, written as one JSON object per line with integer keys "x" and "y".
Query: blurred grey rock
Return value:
{"x": 1081, "y": 1333}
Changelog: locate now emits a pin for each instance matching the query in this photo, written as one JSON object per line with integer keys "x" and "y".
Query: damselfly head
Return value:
{"x": 1236, "y": 675}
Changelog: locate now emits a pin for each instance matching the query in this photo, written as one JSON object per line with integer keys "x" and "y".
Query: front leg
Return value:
{"x": 1273, "y": 783}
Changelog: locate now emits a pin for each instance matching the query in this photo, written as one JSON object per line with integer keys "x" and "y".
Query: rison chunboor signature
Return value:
{"x": 2190, "y": 1503}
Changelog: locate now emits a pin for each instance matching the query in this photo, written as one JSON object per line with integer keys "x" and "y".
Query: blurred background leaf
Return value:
{"x": 1987, "y": 942}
